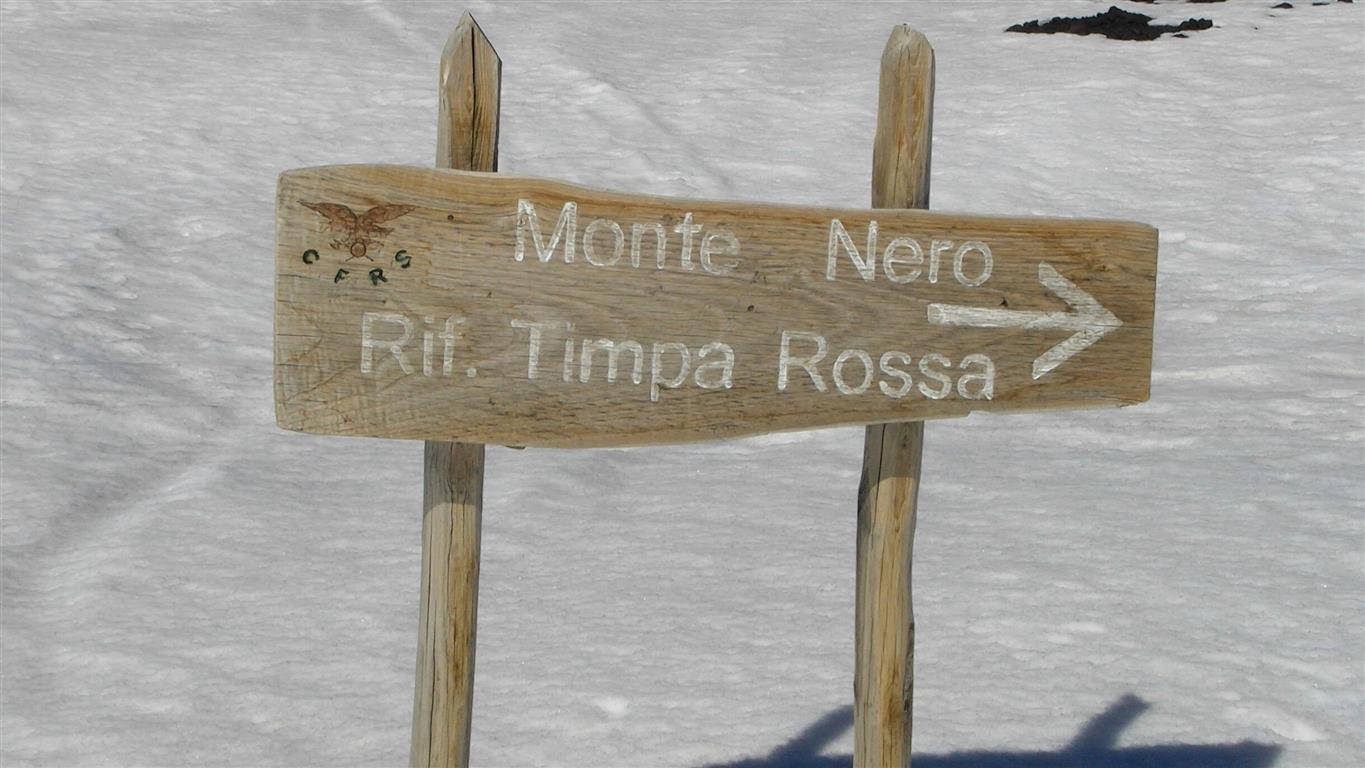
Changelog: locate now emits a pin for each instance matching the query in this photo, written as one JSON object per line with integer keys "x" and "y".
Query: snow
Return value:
{"x": 1179, "y": 583}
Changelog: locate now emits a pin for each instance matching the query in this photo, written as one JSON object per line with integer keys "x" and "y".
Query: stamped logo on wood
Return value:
{"x": 358, "y": 236}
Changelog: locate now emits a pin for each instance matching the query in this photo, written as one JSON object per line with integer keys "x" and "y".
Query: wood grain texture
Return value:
{"x": 901, "y": 149}
{"x": 452, "y": 473}
{"x": 460, "y": 236}
{"x": 469, "y": 98}
{"x": 452, "y": 512}
{"x": 884, "y": 624}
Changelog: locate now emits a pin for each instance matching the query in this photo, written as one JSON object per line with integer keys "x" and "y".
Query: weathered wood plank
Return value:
{"x": 452, "y": 473}
{"x": 884, "y": 629}
{"x": 407, "y": 313}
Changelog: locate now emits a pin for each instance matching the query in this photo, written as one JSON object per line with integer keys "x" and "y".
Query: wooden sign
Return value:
{"x": 447, "y": 305}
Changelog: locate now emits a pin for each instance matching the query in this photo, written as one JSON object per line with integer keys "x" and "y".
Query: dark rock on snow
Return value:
{"x": 1115, "y": 24}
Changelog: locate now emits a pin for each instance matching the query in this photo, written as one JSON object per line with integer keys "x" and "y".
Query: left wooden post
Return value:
{"x": 452, "y": 473}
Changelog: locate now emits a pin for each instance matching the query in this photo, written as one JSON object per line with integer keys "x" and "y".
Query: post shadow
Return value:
{"x": 1094, "y": 746}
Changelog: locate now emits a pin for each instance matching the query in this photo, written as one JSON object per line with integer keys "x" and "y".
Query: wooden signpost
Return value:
{"x": 537, "y": 313}
{"x": 451, "y": 305}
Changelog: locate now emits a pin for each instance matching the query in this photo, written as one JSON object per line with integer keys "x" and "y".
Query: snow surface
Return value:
{"x": 1179, "y": 583}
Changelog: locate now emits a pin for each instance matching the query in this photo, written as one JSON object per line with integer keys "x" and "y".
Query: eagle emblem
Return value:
{"x": 357, "y": 234}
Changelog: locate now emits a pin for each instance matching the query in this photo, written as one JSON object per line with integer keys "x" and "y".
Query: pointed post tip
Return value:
{"x": 469, "y": 85}
{"x": 467, "y": 20}
{"x": 469, "y": 27}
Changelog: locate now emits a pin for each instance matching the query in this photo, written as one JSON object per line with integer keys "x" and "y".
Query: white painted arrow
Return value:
{"x": 1090, "y": 320}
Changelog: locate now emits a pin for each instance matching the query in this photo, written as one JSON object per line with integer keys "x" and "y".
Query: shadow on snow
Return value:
{"x": 1093, "y": 747}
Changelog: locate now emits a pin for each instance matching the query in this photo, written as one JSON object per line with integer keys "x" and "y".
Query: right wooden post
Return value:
{"x": 883, "y": 679}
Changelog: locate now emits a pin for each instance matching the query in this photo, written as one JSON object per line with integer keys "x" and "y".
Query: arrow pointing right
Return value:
{"x": 1090, "y": 320}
